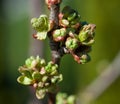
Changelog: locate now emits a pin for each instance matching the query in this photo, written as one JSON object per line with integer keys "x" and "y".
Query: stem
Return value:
{"x": 52, "y": 98}
{"x": 55, "y": 46}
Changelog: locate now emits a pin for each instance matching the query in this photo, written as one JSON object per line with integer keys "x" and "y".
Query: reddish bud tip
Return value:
{"x": 76, "y": 58}
{"x": 52, "y": 2}
{"x": 60, "y": 15}
{"x": 34, "y": 36}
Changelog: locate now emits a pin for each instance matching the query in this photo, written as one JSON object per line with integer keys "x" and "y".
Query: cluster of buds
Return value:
{"x": 63, "y": 98}
{"x": 69, "y": 18}
{"x": 43, "y": 77}
{"x": 59, "y": 34}
{"x": 41, "y": 25}
{"x": 75, "y": 35}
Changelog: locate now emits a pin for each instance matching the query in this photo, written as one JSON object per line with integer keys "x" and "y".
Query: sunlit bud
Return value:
{"x": 84, "y": 58}
{"x": 71, "y": 43}
{"x": 83, "y": 35}
{"x": 40, "y": 24}
{"x": 59, "y": 34}
{"x": 86, "y": 35}
{"x": 64, "y": 23}
{"x": 45, "y": 78}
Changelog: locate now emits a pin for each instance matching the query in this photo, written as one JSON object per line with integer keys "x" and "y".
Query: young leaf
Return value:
{"x": 24, "y": 80}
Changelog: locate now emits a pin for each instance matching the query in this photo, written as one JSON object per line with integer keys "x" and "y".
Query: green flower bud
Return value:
{"x": 86, "y": 35}
{"x": 41, "y": 35}
{"x": 45, "y": 78}
{"x": 83, "y": 35}
{"x": 41, "y": 84}
{"x": 59, "y": 34}
{"x": 64, "y": 23}
{"x": 84, "y": 58}
{"x": 29, "y": 61}
{"x": 42, "y": 62}
{"x": 63, "y": 98}
{"x": 40, "y": 24}
{"x": 51, "y": 68}
{"x": 70, "y": 18}
{"x": 56, "y": 79}
{"x": 33, "y": 62}
{"x": 71, "y": 43}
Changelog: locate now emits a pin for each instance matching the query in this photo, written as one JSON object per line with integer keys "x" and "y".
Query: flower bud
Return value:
{"x": 83, "y": 35}
{"x": 42, "y": 62}
{"x": 59, "y": 34}
{"x": 86, "y": 35}
{"x": 29, "y": 61}
{"x": 81, "y": 58}
{"x": 40, "y": 24}
{"x": 56, "y": 79}
{"x": 51, "y": 68}
{"x": 84, "y": 58}
{"x": 45, "y": 78}
{"x": 71, "y": 43}
{"x": 64, "y": 23}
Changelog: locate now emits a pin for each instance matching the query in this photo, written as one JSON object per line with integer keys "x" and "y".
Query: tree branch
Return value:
{"x": 55, "y": 46}
{"x": 101, "y": 83}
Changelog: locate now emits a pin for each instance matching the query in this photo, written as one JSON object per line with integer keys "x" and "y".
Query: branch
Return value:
{"x": 55, "y": 46}
{"x": 100, "y": 84}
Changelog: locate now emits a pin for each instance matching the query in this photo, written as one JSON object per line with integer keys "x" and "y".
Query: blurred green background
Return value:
{"x": 15, "y": 33}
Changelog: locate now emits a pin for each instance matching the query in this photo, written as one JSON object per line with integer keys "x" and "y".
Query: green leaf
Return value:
{"x": 41, "y": 35}
{"x": 24, "y": 80}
